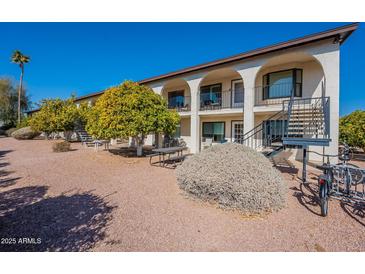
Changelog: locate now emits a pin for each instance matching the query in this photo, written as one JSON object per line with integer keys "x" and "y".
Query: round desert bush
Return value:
{"x": 234, "y": 176}
{"x": 25, "y": 133}
{"x": 9, "y": 131}
{"x": 61, "y": 146}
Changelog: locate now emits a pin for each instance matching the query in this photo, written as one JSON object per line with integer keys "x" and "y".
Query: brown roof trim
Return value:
{"x": 341, "y": 32}
{"x": 89, "y": 95}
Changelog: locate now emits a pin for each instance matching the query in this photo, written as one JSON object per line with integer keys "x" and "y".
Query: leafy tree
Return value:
{"x": 55, "y": 115}
{"x": 131, "y": 110}
{"x": 20, "y": 59}
{"x": 352, "y": 129}
{"x": 84, "y": 110}
{"x": 9, "y": 102}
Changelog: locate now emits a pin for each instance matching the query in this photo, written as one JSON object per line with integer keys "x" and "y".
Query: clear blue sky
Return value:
{"x": 89, "y": 57}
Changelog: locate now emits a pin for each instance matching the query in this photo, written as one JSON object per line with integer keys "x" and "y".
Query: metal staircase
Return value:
{"x": 308, "y": 122}
{"x": 84, "y": 137}
{"x": 301, "y": 122}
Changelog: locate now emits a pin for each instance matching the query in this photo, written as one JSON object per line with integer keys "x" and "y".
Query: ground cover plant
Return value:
{"x": 25, "y": 133}
{"x": 234, "y": 176}
{"x": 9, "y": 131}
{"x": 61, "y": 146}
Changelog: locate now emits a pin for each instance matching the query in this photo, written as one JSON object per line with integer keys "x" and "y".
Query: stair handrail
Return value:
{"x": 326, "y": 109}
{"x": 290, "y": 106}
{"x": 258, "y": 129}
{"x": 253, "y": 129}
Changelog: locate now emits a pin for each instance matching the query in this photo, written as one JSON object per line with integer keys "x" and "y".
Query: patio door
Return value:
{"x": 237, "y": 131}
{"x": 237, "y": 93}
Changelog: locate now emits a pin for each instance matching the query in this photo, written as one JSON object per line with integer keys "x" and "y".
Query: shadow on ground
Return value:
{"x": 62, "y": 223}
{"x": 307, "y": 196}
{"x": 5, "y": 181}
{"x": 355, "y": 210}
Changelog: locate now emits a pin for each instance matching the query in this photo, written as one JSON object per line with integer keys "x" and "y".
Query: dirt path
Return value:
{"x": 85, "y": 200}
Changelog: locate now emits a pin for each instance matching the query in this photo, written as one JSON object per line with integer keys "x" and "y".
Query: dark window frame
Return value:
{"x": 298, "y": 92}
{"x": 175, "y": 91}
{"x": 224, "y": 130}
{"x": 209, "y": 86}
{"x": 243, "y": 86}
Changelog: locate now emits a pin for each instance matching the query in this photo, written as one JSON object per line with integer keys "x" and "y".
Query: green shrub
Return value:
{"x": 61, "y": 146}
{"x": 352, "y": 129}
{"x": 23, "y": 123}
{"x": 10, "y": 131}
{"x": 25, "y": 133}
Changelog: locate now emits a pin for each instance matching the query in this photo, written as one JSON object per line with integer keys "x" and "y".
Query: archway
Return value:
{"x": 281, "y": 75}
{"x": 177, "y": 94}
{"x": 220, "y": 89}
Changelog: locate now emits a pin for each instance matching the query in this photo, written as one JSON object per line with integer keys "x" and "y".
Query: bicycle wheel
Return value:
{"x": 323, "y": 195}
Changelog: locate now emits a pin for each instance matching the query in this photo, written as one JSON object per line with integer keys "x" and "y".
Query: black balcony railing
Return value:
{"x": 276, "y": 94}
{"x": 183, "y": 104}
{"x": 221, "y": 100}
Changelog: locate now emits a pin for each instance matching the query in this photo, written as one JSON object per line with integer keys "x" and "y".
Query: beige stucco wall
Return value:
{"x": 185, "y": 130}
{"x": 90, "y": 100}
{"x": 319, "y": 61}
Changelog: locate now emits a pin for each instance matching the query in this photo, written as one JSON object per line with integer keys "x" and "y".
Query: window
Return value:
{"x": 176, "y": 99}
{"x": 211, "y": 95}
{"x": 237, "y": 93}
{"x": 214, "y": 130}
{"x": 281, "y": 84}
{"x": 274, "y": 129}
{"x": 177, "y": 133}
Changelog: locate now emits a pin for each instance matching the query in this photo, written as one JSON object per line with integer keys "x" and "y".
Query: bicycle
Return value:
{"x": 337, "y": 180}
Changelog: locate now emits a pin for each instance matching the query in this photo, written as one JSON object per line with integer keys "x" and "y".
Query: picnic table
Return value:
{"x": 99, "y": 143}
{"x": 168, "y": 151}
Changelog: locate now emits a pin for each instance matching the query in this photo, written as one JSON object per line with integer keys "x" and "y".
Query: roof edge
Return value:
{"x": 347, "y": 29}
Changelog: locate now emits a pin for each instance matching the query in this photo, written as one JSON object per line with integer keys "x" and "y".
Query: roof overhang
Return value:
{"x": 339, "y": 34}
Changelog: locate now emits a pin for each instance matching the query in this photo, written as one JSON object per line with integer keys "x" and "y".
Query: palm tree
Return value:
{"x": 20, "y": 59}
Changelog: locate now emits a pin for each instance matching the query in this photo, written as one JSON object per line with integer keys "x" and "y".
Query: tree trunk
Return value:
{"x": 139, "y": 150}
{"x": 139, "y": 141}
{"x": 68, "y": 134}
{"x": 20, "y": 91}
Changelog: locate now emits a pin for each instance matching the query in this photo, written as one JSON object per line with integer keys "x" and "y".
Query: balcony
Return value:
{"x": 221, "y": 100}
{"x": 276, "y": 94}
{"x": 180, "y": 104}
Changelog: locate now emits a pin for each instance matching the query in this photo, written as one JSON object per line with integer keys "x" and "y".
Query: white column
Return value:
{"x": 249, "y": 75}
{"x": 194, "y": 117}
{"x": 330, "y": 61}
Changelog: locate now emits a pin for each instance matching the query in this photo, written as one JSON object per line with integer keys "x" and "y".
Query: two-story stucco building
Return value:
{"x": 246, "y": 97}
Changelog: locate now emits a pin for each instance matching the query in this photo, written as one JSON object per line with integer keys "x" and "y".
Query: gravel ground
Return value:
{"x": 98, "y": 201}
